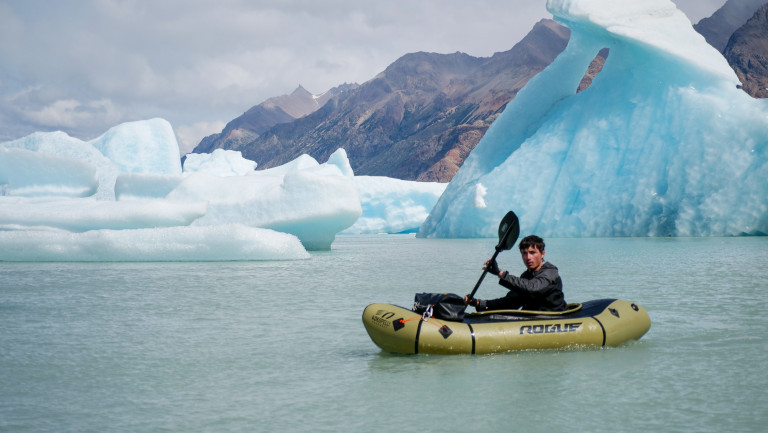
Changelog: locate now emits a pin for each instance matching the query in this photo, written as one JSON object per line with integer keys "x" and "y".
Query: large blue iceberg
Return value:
{"x": 663, "y": 143}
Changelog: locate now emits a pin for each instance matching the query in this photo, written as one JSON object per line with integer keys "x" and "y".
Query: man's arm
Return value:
{"x": 535, "y": 286}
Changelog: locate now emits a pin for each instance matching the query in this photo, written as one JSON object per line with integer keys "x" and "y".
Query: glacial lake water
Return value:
{"x": 280, "y": 347}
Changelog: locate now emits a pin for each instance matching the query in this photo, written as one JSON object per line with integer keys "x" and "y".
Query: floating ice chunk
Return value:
{"x": 142, "y": 186}
{"x": 393, "y": 205}
{"x": 150, "y": 201}
{"x": 34, "y": 174}
{"x": 210, "y": 243}
{"x": 313, "y": 206}
{"x": 340, "y": 160}
{"x": 60, "y": 144}
{"x": 219, "y": 162}
{"x": 147, "y": 146}
{"x": 87, "y": 214}
{"x": 303, "y": 162}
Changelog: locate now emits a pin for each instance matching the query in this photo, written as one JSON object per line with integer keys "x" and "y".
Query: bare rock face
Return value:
{"x": 747, "y": 53}
{"x": 262, "y": 117}
{"x": 718, "y": 28}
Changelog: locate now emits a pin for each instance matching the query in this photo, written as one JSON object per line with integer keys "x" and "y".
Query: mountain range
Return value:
{"x": 718, "y": 28}
{"x": 260, "y": 118}
{"x": 422, "y": 116}
{"x": 416, "y": 120}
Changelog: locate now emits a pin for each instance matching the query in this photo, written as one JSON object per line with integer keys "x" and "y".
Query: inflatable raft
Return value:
{"x": 598, "y": 323}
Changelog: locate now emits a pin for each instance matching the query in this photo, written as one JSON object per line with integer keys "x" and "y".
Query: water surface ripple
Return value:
{"x": 279, "y": 346}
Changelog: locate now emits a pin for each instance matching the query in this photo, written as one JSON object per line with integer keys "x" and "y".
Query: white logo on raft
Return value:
{"x": 550, "y": 329}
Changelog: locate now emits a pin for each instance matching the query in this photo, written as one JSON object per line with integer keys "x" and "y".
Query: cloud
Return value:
{"x": 189, "y": 136}
{"x": 85, "y": 66}
{"x": 69, "y": 113}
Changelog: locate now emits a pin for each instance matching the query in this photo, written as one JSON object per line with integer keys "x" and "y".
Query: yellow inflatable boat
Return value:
{"x": 598, "y": 323}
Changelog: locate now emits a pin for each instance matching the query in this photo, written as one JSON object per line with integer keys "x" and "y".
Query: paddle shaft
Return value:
{"x": 512, "y": 226}
{"x": 485, "y": 271}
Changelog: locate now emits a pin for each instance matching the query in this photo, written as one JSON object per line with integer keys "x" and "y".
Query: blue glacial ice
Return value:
{"x": 662, "y": 143}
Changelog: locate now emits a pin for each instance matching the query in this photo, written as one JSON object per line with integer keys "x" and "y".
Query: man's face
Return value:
{"x": 533, "y": 258}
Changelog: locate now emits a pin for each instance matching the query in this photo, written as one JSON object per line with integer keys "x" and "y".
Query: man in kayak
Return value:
{"x": 538, "y": 288}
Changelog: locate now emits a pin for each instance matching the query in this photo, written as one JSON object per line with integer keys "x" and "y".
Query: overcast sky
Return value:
{"x": 84, "y": 66}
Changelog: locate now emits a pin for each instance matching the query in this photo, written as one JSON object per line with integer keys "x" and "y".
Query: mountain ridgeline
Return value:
{"x": 417, "y": 120}
{"x": 262, "y": 117}
{"x": 739, "y": 30}
{"x": 422, "y": 116}
{"x": 718, "y": 28}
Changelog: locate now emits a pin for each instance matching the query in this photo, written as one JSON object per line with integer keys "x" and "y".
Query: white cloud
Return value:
{"x": 68, "y": 113}
{"x": 189, "y": 136}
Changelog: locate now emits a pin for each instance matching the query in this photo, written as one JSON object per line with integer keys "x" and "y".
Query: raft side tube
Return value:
{"x": 624, "y": 321}
{"x": 380, "y": 321}
{"x": 443, "y": 337}
{"x": 396, "y": 329}
{"x": 498, "y": 337}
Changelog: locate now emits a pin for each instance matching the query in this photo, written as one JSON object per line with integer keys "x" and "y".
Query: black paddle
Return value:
{"x": 509, "y": 230}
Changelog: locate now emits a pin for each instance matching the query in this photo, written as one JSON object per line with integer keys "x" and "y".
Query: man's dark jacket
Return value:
{"x": 540, "y": 290}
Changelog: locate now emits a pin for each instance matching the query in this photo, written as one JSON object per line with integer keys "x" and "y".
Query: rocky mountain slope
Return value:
{"x": 747, "y": 53}
{"x": 260, "y": 118}
{"x": 417, "y": 120}
{"x": 718, "y": 28}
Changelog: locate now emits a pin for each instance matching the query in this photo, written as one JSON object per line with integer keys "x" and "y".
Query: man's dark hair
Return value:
{"x": 532, "y": 241}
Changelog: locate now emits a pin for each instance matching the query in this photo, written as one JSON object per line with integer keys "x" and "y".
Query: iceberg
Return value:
{"x": 273, "y": 197}
{"x": 309, "y": 204}
{"x": 137, "y": 186}
{"x": 393, "y": 205}
{"x": 88, "y": 214}
{"x": 29, "y": 174}
{"x": 220, "y": 162}
{"x": 147, "y": 146}
{"x": 661, "y": 144}
{"x": 125, "y": 196}
{"x": 48, "y": 145}
{"x": 111, "y": 199}
{"x": 182, "y": 243}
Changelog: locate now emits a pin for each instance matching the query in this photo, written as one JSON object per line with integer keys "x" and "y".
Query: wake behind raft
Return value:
{"x": 437, "y": 324}
{"x": 598, "y": 323}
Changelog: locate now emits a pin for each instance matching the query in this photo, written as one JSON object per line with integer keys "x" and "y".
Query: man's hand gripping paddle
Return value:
{"x": 509, "y": 230}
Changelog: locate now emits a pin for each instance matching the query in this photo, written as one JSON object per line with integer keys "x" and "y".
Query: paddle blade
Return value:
{"x": 509, "y": 230}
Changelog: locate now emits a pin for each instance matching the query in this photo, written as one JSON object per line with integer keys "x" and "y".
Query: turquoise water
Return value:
{"x": 279, "y": 346}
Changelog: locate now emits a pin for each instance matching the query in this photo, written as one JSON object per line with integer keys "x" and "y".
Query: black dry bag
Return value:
{"x": 445, "y": 306}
